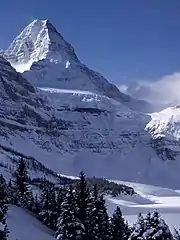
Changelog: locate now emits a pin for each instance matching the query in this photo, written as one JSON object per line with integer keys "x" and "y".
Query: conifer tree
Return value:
{"x": 68, "y": 225}
{"x": 99, "y": 219}
{"x": 139, "y": 228}
{"x": 30, "y": 201}
{"x": 176, "y": 234}
{"x": 59, "y": 200}
{"x": 151, "y": 227}
{"x": 157, "y": 229}
{"x": 84, "y": 204}
{"x": 3, "y": 210}
{"x": 120, "y": 229}
{"x": 10, "y": 193}
{"x": 53, "y": 207}
{"x": 36, "y": 206}
{"x": 20, "y": 184}
{"x": 48, "y": 213}
{"x": 105, "y": 230}
{"x": 3, "y": 183}
{"x": 94, "y": 228}
{"x": 44, "y": 203}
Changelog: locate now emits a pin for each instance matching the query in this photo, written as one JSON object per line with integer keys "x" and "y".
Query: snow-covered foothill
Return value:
{"x": 24, "y": 225}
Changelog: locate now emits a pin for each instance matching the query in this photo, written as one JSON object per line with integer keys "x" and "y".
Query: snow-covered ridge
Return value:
{"x": 48, "y": 60}
{"x": 165, "y": 123}
{"x": 36, "y": 42}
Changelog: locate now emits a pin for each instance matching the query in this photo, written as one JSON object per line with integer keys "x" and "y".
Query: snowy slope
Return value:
{"x": 164, "y": 128}
{"x": 70, "y": 131}
{"x": 165, "y": 123}
{"x": 52, "y": 62}
{"x": 24, "y": 226}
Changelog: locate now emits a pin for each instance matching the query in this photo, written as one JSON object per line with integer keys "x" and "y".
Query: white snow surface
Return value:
{"x": 165, "y": 123}
{"x": 23, "y": 225}
{"x": 35, "y": 42}
{"x": 149, "y": 198}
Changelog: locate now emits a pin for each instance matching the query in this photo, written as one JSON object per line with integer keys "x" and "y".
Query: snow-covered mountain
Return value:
{"x": 165, "y": 123}
{"x": 44, "y": 125}
{"x": 62, "y": 117}
{"x": 67, "y": 131}
{"x": 52, "y": 62}
{"x": 76, "y": 120}
{"x": 164, "y": 128}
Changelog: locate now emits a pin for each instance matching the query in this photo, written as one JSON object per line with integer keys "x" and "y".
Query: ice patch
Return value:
{"x": 68, "y": 64}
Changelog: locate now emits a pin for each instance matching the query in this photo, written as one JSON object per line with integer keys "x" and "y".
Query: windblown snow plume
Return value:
{"x": 162, "y": 91}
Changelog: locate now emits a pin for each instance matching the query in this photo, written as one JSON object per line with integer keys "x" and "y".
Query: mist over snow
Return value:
{"x": 162, "y": 91}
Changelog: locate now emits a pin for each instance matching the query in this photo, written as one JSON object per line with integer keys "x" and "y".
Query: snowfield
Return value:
{"x": 149, "y": 198}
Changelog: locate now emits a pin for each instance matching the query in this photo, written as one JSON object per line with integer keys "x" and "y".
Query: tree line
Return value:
{"x": 76, "y": 212}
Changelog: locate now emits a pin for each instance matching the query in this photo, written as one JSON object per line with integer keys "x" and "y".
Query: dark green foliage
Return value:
{"x": 104, "y": 231}
{"x": 30, "y": 201}
{"x": 60, "y": 196}
{"x": 151, "y": 227}
{"x": 3, "y": 209}
{"x": 176, "y": 234}
{"x": 36, "y": 207}
{"x": 139, "y": 228}
{"x": 120, "y": 228}
{"x": 84, "y": 204}
{"x": 48, "y": 208}
{"x": 10, "y": 193}
{"x": 159, "y": 230}
{"x": 21, "y": 185}
{"x": 98, "y": 215}
{"x": 69, "y": 226}
{"x": 95, "y": 225}
{"x": 106, "y": 187}
{"x": 3, "y": 192}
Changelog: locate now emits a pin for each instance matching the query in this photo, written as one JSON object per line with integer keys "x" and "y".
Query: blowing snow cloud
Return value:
{"x": 166, "y": 90}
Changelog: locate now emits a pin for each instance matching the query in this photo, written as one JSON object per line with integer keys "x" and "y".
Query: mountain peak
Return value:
{"x": 48, "y": 60}
{"x": 38, "y": 41}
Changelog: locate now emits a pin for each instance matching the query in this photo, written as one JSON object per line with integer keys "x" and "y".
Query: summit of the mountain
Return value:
{"x": 48, "y": 60}
{"x": 39, "y": 40}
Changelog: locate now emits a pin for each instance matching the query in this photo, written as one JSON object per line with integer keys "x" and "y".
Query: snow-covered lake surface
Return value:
{"x": 149, "y": 198}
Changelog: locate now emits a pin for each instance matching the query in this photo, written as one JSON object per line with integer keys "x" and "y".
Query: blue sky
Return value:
{"x": 125, "y": 40}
